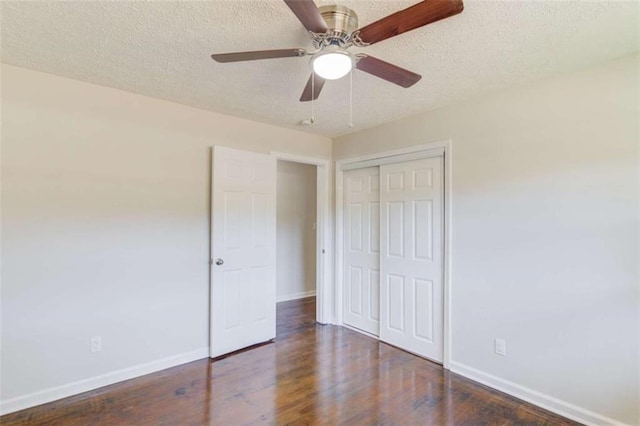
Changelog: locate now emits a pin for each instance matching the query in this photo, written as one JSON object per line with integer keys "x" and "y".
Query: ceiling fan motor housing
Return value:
{"x": 341, "y": 21}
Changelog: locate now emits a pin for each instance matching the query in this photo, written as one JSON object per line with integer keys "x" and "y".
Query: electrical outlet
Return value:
{"x": 500, "y": 347}
{"x": 96, "y": 344}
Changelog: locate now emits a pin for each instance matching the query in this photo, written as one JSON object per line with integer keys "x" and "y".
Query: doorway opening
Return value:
{"x": 296, "y": 245}
{"x": 303, "y": 232}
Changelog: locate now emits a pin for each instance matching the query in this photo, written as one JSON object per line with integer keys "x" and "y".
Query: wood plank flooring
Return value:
{"x": 312, "y": 374}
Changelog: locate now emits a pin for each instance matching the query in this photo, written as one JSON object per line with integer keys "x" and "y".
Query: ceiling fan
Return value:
{"x": 334, "y": 29}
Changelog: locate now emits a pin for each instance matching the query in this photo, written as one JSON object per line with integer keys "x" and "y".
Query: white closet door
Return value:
{"x": 362, "y": 249}
{"x": 243, "y": 247}
{"x": 411, "y": 267}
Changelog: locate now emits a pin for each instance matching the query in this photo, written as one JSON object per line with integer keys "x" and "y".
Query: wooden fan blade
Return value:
{"x": 307, "y": 12}
{"x": 387, "y": 71}
{"x": 413, "y": 17}
{"x": 317, "y": 87}
{"x": 260, "y": 54}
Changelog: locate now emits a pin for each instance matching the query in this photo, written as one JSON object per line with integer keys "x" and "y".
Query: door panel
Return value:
{"x": 355, "y": 213}
{"x": 355, "y": 287}
{"x": 395, "y": 303}
{"x": 411, "y": 264}
{"x": 395, "y": 227}
{"x": 424, "y": 317}
{"x": 231, "y": 294}
{"x": 423, "y": 220}
{"x": 374, "y": 295}
{"x": 362, "y": 249}
{"x": 243, "y": 236}
{"x": 374, "y": 227}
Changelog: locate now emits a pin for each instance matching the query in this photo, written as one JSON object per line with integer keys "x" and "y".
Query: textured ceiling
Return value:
{"x": 162, "y": 49}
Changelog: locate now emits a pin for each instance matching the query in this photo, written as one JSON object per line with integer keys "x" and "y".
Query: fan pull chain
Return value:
{"x": 313, "y": 94}
{"x": 350, "y": 123}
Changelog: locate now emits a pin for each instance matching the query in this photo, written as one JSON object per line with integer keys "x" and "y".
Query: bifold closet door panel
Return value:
{"x": 411, "y": 260}
{"x": 362, "y": 249}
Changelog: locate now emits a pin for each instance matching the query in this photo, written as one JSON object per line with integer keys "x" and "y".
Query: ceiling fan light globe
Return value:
{"x": 332, "y": 65}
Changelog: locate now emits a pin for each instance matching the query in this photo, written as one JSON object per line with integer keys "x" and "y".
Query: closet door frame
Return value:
{"x": 429, "y": 150}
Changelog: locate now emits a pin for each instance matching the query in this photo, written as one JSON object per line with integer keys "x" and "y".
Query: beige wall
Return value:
{"x": 105, "y": 210}
{"x": 545, "y": 232}
{"x": 296, "y": 236}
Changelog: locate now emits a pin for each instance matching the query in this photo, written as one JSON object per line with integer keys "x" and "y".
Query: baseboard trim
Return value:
{"x": 547, "y": 402}
{"x": 295, "y": 296}
{"x": 74, "y": 388}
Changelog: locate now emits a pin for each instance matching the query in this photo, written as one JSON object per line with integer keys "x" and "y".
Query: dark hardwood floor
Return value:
{"x": 312, "y": 374}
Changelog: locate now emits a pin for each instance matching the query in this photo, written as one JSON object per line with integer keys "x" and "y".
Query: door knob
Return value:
{"x": 219, "y": 261}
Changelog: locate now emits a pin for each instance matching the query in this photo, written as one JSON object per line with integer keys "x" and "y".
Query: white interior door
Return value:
{"x": 362, "y": 249}
{"x": 243, "y": 268}
{"x": 411, "y": 266}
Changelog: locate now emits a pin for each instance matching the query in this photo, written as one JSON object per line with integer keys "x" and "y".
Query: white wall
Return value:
{"x": 105, "y": 198}
{"x": 545, "y": 233}
{"x": 296, "y": 236}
